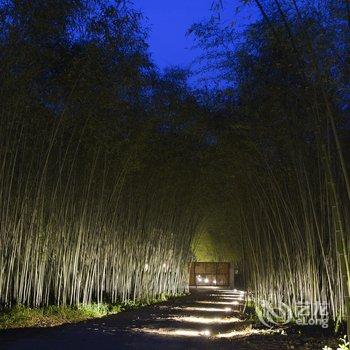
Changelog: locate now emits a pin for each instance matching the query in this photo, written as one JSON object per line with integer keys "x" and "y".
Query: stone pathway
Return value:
{"x": 209, "y": 318}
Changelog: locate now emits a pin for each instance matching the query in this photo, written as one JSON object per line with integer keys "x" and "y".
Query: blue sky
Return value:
{"x": 169, "y": 20}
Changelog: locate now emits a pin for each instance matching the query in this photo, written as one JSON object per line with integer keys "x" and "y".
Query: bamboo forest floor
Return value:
{"x": 206, "y": 319}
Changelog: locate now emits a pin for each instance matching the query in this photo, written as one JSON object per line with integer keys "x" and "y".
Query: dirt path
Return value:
{"x": 203, "y": 320}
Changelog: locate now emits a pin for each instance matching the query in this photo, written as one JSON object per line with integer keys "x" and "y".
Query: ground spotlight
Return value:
{"x": 206, "y": 333}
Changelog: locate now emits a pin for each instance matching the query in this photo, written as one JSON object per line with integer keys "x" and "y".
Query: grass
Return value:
{"x": 22, "y": 317}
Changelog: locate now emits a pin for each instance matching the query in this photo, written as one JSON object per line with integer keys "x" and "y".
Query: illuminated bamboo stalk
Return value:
{"x": 79, "y": 240}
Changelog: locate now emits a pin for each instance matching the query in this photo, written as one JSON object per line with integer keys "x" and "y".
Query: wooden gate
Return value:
{"x": 210, "y": 274}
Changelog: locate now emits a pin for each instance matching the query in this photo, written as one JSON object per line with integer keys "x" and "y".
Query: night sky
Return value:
{"x": 169, "y": 21}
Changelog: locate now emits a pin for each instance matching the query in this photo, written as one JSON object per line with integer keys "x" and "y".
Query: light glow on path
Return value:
{"x": 235, "y": 302}
{"x": 205, "y": 320}
{"x": 206, "y": 309}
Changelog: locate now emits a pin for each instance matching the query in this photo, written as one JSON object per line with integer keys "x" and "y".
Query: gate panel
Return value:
{"x": 210, "y": 274}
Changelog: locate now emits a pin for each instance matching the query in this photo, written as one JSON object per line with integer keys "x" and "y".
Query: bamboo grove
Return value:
{"x": 86, "y": 215}
{"x": 109, "y": 168}
{"x": 77, "y": 239}
{"x": 297, "y": 223}
{"x": 290, "y": 87}
{"x": 73, "y": 232}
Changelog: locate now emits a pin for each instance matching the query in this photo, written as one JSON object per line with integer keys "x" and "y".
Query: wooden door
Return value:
{"x": 210, "y": 274}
